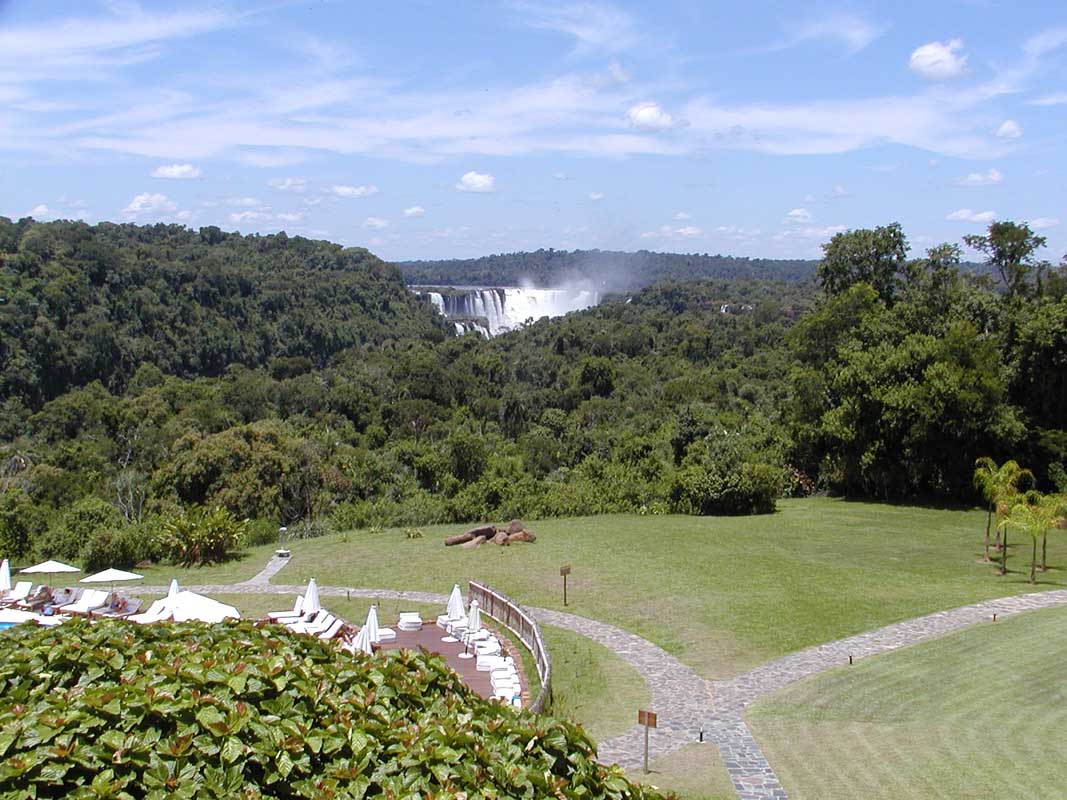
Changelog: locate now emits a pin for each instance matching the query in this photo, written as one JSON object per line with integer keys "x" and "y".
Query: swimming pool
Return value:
{"x": 5, "y": 625}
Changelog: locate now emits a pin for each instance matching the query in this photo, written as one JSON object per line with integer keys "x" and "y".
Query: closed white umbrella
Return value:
{"x": 187, "y": 605}
{"x": 371, "y": 625}
{"x": 173, "y": 588}
{"x": 474, "y": 621}
{"x": 5, "y": 576}
{"x": 311, "y": 599}
{"x": 363, "y": 643}
{"x": 455, "y": 603}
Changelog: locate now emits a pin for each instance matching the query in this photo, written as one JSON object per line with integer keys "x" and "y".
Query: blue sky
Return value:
{"x": 432, "y": 130}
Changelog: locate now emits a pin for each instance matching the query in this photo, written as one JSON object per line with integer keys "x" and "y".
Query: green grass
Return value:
{"x": 978, "y": 714}
{"x": 724, "y": 594}
{"x": 591, "y": 685}
{"x": 695, "y": 772}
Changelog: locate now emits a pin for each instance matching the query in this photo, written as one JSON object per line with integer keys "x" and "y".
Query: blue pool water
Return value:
{"x": 5, "y": 625}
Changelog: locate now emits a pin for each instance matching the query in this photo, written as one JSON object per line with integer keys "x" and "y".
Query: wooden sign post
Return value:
{"x": 565, "y": 570}
{"x": 648, "y": 719}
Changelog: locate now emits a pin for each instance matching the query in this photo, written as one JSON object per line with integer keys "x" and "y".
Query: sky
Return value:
{"x": 451, "y": 130}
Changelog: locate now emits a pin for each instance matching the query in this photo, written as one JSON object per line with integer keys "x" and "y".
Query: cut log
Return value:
{"x": 459, "y": 538}
{"x": 514, "y": 526}
{"x": 522, "y": 536}
{"x": 476, "y": 541}
{"x": 501, "y": 538}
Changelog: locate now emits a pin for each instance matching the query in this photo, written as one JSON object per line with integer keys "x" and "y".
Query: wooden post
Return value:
{"x": 648, "y": 719}
{"x": 565, "y": 570}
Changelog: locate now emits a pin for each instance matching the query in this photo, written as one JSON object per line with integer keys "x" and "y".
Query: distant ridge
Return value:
{"x": 602, "y": 269}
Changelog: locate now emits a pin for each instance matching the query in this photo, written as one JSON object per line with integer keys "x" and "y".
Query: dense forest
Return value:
{"x": 294, "y": 382}
{"x": 602, "y": 269}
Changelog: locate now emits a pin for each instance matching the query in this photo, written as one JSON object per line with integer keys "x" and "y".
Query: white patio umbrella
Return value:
{"x": 48, "y": 568}
{"x": 311, "y": 599}
{"x": 474, "y": 619}
{"x": 111, "y": 576}
{"x": 5, "y": 576}
{"x": 362, "y": 642}
{"x": 455, "y": 603}
{"x": 371, "y": 625}
{"x": 173, "y": 588}
{"x": 187, "y": 605}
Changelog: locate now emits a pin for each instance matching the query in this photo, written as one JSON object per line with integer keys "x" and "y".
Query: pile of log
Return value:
{"x": 514, "y": 531}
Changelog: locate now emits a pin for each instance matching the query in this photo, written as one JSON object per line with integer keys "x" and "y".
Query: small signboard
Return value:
{"x": 646, "y": 718}
{"x": 565, "y": 569}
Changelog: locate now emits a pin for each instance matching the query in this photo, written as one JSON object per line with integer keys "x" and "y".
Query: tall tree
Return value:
{"x": 1056, "y": 507}
{"x": 1009, "y": 248}
{"x": 1033, "y": 518}
{"x": 871, "y": 256}
{"x": 999, "y": 486}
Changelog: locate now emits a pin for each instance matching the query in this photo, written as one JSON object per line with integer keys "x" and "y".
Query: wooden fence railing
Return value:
{"x": 516, "y": 618}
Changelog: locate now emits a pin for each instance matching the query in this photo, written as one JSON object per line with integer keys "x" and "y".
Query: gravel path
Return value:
{"x": 687, "y": 705}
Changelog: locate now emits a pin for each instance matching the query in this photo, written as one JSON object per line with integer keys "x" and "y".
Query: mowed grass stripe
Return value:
{"x": 977, "y": 714}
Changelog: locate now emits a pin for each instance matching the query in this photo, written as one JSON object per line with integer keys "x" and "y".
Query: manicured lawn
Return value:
{"x": 977, "y": 714}
{"x": 724, "y": 594}
{"x": 591, "y": 685}
{"x": 695, "y": 772}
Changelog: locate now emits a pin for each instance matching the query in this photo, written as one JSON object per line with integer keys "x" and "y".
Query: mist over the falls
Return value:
{"x": 493, "y": 310}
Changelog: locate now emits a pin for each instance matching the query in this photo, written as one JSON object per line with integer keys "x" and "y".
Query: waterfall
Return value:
{"x": 494, "y": 310}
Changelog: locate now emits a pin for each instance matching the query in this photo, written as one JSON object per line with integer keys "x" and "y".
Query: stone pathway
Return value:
{"x": 685, "y": 703}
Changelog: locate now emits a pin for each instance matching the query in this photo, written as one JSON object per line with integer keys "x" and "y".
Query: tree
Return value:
{"x": 1056, "y": 507}
{"x": 998, "y": 485}
{"x": 874, "y": 257}
{"x": 1032, "y": 517}
{"x": 1009, "y": 248}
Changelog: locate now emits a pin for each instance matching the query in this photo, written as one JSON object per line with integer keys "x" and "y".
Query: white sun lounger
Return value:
{"x": 316, "y": 627}
{"x": 410, "y": 621}
{"x": 91, "y": 599}
{"x": 20, "y": 591}
{"x": 157, "y": 612}
{"x": 333, "y": 630}
{"x": 279, "y": 616}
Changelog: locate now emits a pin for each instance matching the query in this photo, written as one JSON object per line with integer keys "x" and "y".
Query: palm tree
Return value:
{"x": 999, "y": 486}
{"x": 1031, "y": 516}
{"x": 1056, "y": 506}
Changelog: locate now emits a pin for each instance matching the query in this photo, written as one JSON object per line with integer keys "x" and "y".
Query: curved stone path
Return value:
{"x": 686, "y": 704}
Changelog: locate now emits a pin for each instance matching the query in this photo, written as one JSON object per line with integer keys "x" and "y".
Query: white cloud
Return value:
{"x": 414, "y": 211}
{"x": 854, "y": 32}
{"x": 354, "y": 191}
{"x": 939, "y": 61}
{"x": 966, "y": 215}
{"x": 176, "y": 171}
{"x": 288, "y": 184}
{"x": 667, "y": 232}
{"x": 799, "y": 216}
{"x": 560, "y": 176}
{"x": 477, "y": 182}
{"x": 811, "y": 233}
{"x": 40, "y": 210}
{"x": 184, "y": 216}
{"x": 1051, "y": 100}
{"x": 596, "y": 26}
{"x": 375, "y": 223}
{"x": 249, "y": 216}
{"x": 681, "y": 216}
{"x": 991, "y": 177}
{"x": 243, "y": 202}
{"x": 148, "y": 205}
{"x": 649, "y": 116}
{"x": 617, "y": 72}
{"x": 1043, "y": 223}
{"x": 839, "y": 192}
{"x": 293, "y": 216}
{"x": 594, "y": 196}
{"x": 1009, "y": 129}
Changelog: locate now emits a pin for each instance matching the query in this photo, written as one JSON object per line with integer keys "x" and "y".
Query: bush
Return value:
{"x": 752, "y": 489}
{"x": 239, "y": 710}
{"x": 201, "y": 536}
{"x": 21, "y": 523}
{"x": 259, "y": 532}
